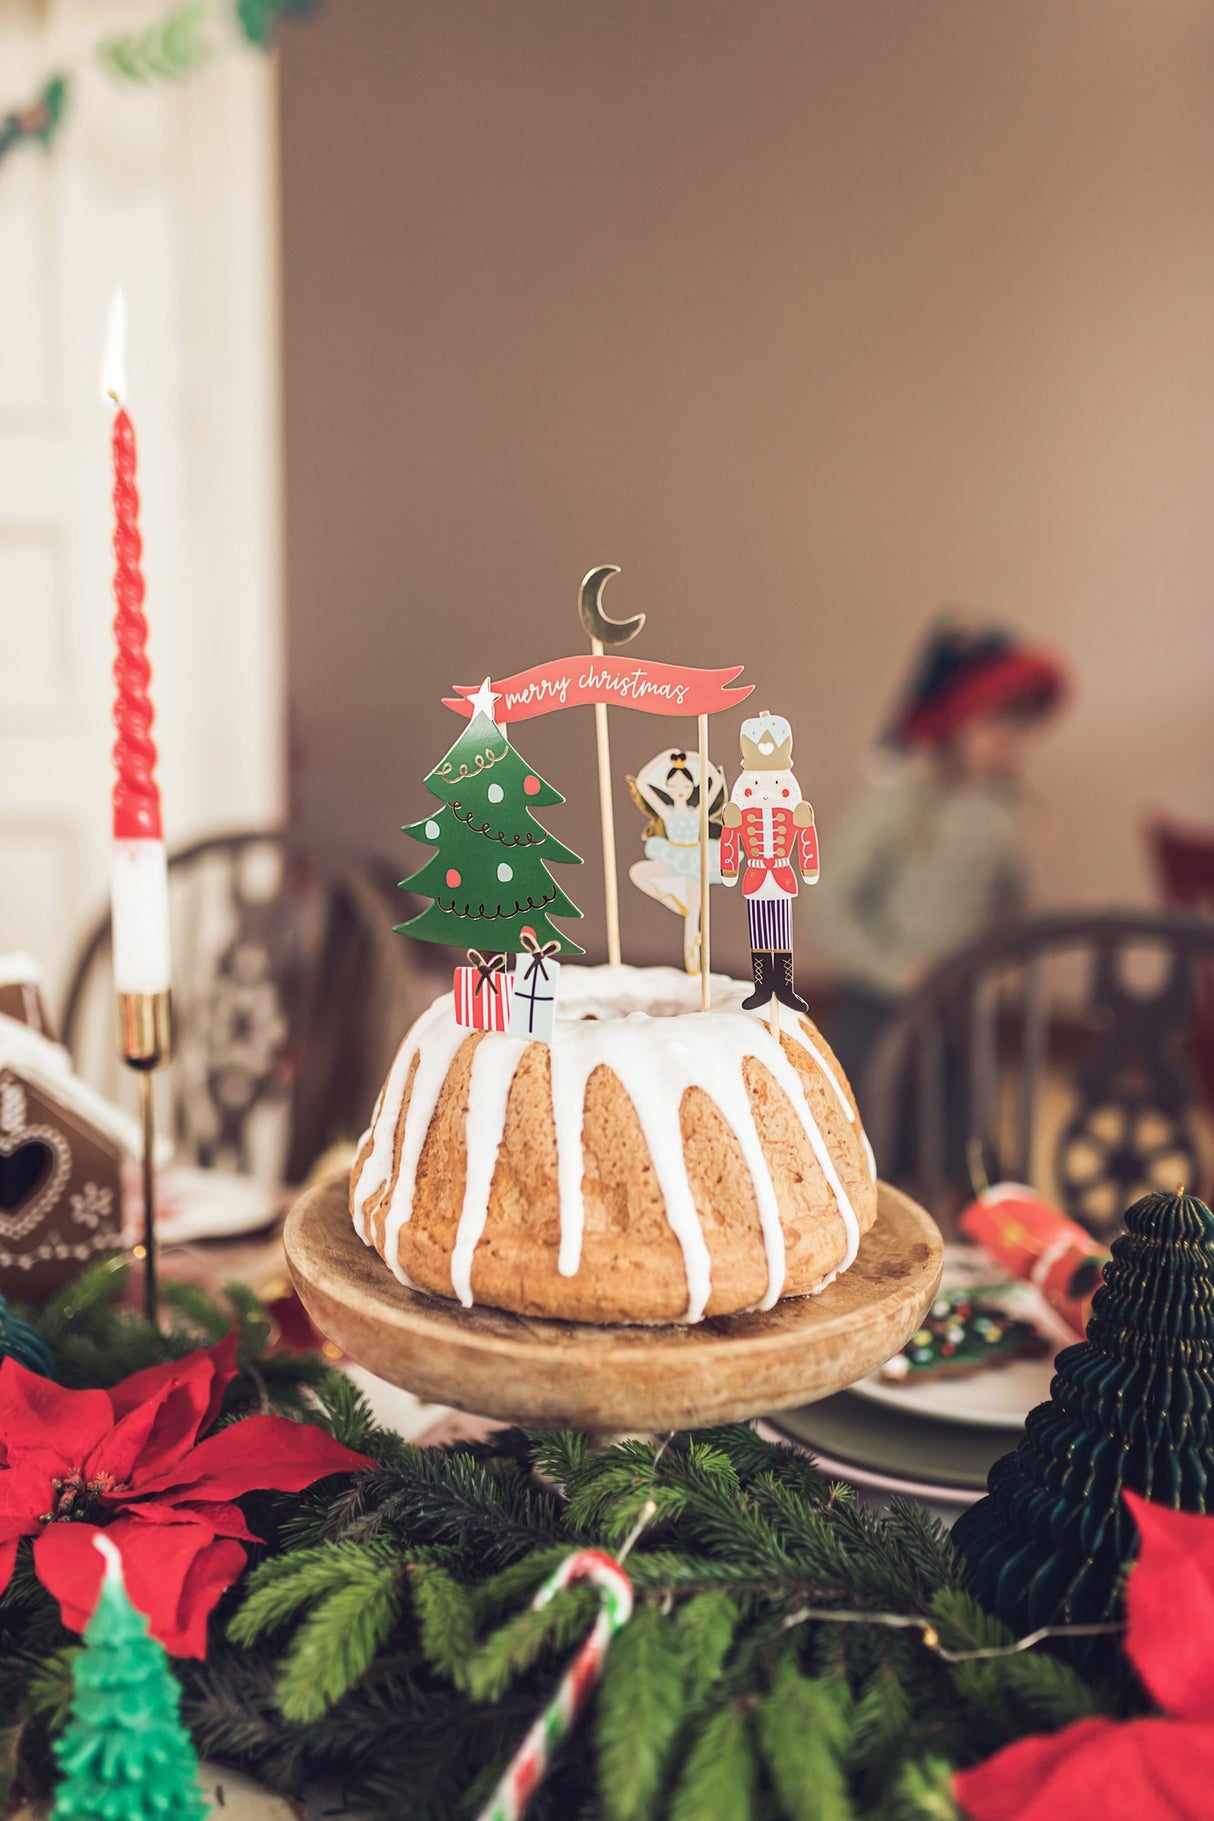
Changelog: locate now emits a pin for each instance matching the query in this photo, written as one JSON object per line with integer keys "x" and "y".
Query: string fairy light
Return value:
{"x": 909, "y": 1621}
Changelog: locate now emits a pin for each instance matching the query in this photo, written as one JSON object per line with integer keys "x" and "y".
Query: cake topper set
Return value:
{"x": 488, "y": 877}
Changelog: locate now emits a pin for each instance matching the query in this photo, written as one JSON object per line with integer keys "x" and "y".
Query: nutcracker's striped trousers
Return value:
{"x": 770, "y": 922}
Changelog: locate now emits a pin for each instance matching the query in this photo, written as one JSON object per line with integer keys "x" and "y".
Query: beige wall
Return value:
{"x": 812, "y": 316}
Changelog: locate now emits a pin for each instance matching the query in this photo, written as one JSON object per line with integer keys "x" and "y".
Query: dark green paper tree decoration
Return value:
{"x": 125, "y": 1754}
{"x": 1131, "y": 1407}
{"x": 488, "y": 878}
{"x": 22, "y": 1342}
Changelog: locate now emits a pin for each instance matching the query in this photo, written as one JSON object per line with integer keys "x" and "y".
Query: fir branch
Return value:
{"x": 922, "y": 1542}
{"x": 718, "y": 1513}
{"x": 562, "y": 1455}
{"x": 202, "y": 1314}
{"x": 48, "y": 1687}
{"x": 923, "y": 1792}
{"x": 607, "y": 1497}
{"x": 881, "y": 1720}
{"x": 495, "y": 1596}
{"x": 720, "y": 1775}
{"x": 337, "y": 1643}
{"x": 446, "y": 1618}
{"x": 350, "y": 1419}
{"x": 284, "y": 1585}
{"x": 484, "y": 1510}
{"x": 506, "y": 1653}
{"x": 1012, "y": 1693}
{"x": 641, "y": 1707}
{"x": 752, "y": 1456}
{"x": 706, "y": 1624}
{"x": 803, "y": 1727}
{"x": 97, "y": 1288}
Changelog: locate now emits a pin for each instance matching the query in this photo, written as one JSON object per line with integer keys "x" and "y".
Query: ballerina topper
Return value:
{"x": 667, "y": 791}
{"x": 770, "y": 825}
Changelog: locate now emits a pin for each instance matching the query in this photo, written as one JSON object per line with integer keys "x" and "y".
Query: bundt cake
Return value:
{"x": 654, "y": 1163}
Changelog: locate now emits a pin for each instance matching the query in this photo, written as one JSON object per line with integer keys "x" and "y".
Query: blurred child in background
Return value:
{"x": 933, "y": 856}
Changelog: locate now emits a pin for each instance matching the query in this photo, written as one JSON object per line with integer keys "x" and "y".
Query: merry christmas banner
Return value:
{"x": 672, "y": 689}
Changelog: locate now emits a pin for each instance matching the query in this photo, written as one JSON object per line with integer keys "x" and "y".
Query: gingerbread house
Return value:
{"x": 62, "y": 1149}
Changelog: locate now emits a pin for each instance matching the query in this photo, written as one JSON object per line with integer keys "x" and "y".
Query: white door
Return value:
{"x": 172, "y": 192}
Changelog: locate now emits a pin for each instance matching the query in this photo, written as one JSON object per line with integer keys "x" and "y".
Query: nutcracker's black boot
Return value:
{"x": 761, "y": 961}
{"x": 781, "y": 981}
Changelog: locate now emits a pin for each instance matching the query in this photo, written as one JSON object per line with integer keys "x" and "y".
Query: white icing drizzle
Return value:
{"x": 800, "y": 1035}
{"x": 644, "y": 1025}
{"x": 434, "y": 1040}
{"x": 493, "y": 1070}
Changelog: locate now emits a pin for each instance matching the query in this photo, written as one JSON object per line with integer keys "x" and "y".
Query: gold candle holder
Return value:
{"x": 145, "y": 1043}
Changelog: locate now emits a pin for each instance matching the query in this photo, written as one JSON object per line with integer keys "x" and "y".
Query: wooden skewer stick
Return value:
{"x": 705, "y": 856}
{"x": 611, "y": 882}
{"x": 773, "y": 1017}
{"x": 604, "y": 631}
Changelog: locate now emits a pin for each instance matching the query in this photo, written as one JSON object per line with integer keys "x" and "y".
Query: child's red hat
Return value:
{"x": 963, "y": 674}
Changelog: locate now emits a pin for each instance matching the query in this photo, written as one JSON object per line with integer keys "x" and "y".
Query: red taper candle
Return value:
{"x": 139, "y": 880}
{"x": 136, "y": 795}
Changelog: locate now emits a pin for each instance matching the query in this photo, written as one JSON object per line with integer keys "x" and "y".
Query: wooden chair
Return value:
{"x": 1184, "y": 863}
{"x": 1057, "y": 1051}
{"x": 291, "y": 994}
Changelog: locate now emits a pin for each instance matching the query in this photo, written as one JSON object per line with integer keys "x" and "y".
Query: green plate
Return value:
{"x": 871, "y": 1436}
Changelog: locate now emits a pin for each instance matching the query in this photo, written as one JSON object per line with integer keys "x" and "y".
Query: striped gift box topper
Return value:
{"x": 482, "y": 1004}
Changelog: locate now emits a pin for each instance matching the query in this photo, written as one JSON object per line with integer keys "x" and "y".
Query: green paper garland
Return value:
{"x": 169, "y": 50}
{"x": 174, "y": 47}
{"x": 39, "y": 120}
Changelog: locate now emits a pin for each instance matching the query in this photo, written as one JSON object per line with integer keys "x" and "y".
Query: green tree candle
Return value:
{"x": 125, "y": 1755}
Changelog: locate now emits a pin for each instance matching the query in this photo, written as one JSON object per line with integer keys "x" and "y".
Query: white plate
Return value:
{"x": 998, "y": 1397}
{"x": 950, "y": 1499}
{"x": 194, "y": 1204}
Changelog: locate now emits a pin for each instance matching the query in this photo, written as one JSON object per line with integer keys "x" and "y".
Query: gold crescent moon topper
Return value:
{"x": 590, "y": 609}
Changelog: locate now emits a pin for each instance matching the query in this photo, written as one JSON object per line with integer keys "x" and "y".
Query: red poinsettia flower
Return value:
{"x": 1154, "y": 1769}
{"x": 129, "y": 1460}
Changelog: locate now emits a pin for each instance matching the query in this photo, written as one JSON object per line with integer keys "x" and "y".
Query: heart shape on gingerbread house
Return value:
{"x": 23, "y": 1172}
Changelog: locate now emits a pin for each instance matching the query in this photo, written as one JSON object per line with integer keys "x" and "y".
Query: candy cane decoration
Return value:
{"x": 527, "y": 1768}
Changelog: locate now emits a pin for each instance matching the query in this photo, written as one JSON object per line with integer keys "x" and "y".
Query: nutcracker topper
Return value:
{"x": 769, "y": 841}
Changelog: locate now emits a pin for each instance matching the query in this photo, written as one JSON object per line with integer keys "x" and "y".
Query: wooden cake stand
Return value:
{"x": 575, "y": 1375}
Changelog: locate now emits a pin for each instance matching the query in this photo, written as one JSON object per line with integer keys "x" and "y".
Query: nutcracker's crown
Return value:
{"x": 766, "y": 743}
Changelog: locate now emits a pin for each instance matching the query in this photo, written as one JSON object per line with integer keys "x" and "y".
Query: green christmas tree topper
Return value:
{"x": 125, "y": 1756}
{"x": 488, "y": 878}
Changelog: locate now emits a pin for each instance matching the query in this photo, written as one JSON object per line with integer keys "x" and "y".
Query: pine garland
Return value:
{"x": 396, "y": 1646}
{"x": 384, "y": 1639}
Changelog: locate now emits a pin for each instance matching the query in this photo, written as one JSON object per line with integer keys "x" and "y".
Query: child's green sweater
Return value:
{"x": 921, "y": 866}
